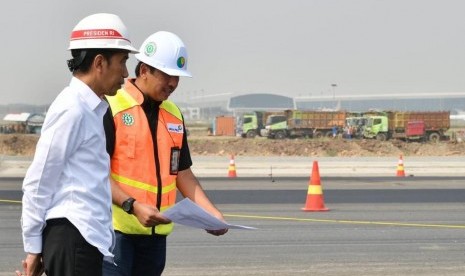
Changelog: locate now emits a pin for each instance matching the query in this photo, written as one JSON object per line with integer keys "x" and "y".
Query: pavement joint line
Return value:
{"x": 10, "y": 201}
{"x": 447, "y": 226}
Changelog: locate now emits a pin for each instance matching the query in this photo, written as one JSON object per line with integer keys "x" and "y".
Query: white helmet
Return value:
{"x": 101, "y": 31}
{"x": 166, "y": 52}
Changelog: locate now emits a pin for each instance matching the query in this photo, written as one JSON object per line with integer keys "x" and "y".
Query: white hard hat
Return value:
{"x": 101, "y": 31}
{"x": 166, "y": 52}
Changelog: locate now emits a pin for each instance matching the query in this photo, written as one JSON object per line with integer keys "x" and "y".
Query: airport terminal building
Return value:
{"x": 454, "y": 102}
{"x": 236, "y": 105}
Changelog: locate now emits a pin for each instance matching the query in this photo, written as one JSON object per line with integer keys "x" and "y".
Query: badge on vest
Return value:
{"x": 174, "y": 160}
{"x": 176, "y": 128}
{"x": 128, "y": 119}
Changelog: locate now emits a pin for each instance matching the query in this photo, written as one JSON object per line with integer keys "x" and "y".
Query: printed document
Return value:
{"x": 187, "y": 213}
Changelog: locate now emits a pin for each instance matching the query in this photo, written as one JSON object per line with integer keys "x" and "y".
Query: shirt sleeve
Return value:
{"x": 61, "y": 136}
{"x": 185, "y": 161}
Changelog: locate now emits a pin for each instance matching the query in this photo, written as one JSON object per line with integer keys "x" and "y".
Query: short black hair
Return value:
{"x": 137, "y": 70}
{"x": 83, "y": 58}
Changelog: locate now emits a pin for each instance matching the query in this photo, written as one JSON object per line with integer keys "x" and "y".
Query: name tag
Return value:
{"x": 174, "y": 160}
{"x": 176, "y": 128}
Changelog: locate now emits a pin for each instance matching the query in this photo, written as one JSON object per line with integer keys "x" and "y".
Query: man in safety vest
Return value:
{"x": 150, "y": 158}
{"x": 66, "y": 212}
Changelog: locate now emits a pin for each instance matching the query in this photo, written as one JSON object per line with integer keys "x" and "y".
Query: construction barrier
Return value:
{"x": 315, "y": 201}
{"x": 232, "y": 168}
{"x": 400, "y": 167}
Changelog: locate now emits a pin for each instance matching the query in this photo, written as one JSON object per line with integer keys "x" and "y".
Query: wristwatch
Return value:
{"x": 128, "y": 205}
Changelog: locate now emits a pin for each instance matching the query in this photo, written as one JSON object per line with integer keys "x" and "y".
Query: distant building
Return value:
{"x": 208, "y": 108}
{"x": 257, "y": 102}
{"x": 17, "y": 117}
{"x": 454, "y": 102}
{"x": 34, "y": 123}
{"x": 22, "y": 123}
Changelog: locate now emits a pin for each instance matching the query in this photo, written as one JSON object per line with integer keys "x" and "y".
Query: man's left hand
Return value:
{"x": 219, "y": 232}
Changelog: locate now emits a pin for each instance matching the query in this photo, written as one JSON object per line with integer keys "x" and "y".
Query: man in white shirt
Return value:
{"x": 66, "y": 216}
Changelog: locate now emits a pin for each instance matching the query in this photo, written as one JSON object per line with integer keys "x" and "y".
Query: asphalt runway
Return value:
{"x": 375, "y": 226}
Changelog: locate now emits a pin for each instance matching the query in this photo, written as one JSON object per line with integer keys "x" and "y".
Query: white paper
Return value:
{"x": 188, "y": 213}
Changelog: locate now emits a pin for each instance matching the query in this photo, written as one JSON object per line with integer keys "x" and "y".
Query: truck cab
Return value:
{"x": 357, "y": 124}
{"x": 276, "y": 127}
{"x": 249, "y": 125}
{"x": 253, "y": 123}
{"x": 377, "y": 127}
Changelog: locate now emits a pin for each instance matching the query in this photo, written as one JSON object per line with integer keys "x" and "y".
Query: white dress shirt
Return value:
{"x": 68, "y": 177}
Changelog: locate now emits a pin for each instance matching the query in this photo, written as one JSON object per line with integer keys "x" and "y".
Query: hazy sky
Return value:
{"x": 288, "y": 47}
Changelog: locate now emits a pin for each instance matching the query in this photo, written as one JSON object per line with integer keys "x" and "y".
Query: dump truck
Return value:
{"x": 305, "y": 123}
{"x": 408, "y": 125}
{"x": 254, "y": 122}
{"x": 357, "y": 125}
{"x": 356, "y": 121}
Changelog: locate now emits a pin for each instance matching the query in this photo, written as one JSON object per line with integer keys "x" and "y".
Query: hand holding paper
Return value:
{"x": 188, "y": 213}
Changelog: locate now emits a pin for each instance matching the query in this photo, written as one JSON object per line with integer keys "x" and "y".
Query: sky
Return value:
{"x": 298, "y": 48}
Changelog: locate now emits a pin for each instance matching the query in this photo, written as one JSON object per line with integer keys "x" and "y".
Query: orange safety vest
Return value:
{"x": 133, "y": 164}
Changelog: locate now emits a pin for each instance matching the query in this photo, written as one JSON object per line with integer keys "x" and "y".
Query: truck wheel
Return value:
{"x": 317, "y": 134}
{"x": 381, "y": 137}
{"x": 280, "y": 135}
{"x": 434, "y": 137}
{"x": 329, "y": 134}
{"x": 251, "y": 134}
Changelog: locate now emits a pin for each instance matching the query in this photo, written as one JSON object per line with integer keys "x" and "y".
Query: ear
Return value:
{"x": 99, "y": 63}
{"x": 143, "y": 69}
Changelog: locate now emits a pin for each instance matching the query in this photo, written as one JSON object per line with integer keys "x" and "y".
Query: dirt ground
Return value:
{"x": 204, "y": 145}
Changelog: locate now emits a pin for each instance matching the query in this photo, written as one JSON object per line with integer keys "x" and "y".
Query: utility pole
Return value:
{"x": 333, "y": 86}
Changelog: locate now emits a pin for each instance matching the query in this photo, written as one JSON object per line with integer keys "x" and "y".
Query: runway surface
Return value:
{"x": 375, "y": 226}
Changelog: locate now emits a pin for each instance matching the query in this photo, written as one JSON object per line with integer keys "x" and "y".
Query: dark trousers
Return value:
{"x": 137, "y": 255}
{"x": 66, "y": 253}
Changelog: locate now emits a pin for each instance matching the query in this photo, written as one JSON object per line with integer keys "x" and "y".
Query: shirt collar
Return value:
{"x": 150, "y": 103}
{"x": 89, "y": 96}
{"x": 146, "y": 102}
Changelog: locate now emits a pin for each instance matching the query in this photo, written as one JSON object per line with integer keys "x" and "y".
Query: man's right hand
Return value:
{"x": 32, "y": 266}
{"x": 148, "y": 216}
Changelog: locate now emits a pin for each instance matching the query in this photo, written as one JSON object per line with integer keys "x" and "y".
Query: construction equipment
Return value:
{"x": 254, "y": 122}
{"x": 356, "y": 123}
{"x": 305, "y": 123}
{"x": 408, "y": 125}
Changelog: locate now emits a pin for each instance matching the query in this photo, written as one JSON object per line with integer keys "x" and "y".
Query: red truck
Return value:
{"x": 408, "y": 125}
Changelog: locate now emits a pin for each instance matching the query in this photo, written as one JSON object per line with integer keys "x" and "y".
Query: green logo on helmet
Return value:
{"x": 150, "y": 49}
{"x": 181, "y": 62}
{"x": 128, "y": 119}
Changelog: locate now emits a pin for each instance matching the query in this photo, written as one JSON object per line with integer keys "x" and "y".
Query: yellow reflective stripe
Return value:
{"x": 142, "y": 185}
{"x": 171, "y": 108}
{"x": 169, "y": 188}
{"x": 315, "y": 190}
{"x": 164, "y": 229}
{"x": 135, "y": 183}
{"x": 129, "y": 224}
{"x": 121, "y": 101}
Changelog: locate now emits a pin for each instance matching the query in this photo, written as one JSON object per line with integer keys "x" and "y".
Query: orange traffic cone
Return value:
{"x": 400, "y": 167}
{"x": 232, "y": 167}
{"x": 315, "y": 201}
